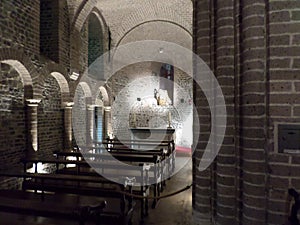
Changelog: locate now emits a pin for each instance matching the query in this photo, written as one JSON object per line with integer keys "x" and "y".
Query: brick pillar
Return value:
{"x": 224, "y": 58}
{"x": 68, "y": 126}
{"x": 202, "y": 195}
{"x": 90, "y": 124}
{"x": 231, "y": 38}
{"x": 32, "y": 126}
{"x": 253, "y": 131}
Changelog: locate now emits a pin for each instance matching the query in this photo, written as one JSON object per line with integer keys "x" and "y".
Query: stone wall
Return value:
{"x": 95, "y": 39}
{"x": 64, "y": 26}
{"x": 50, "y": 119}
{"x": 12, "y": 111}
{"x": 80, "y": 117}
{"x": 49, "y": 37}
{"x": 139, "y": 81}
{"x": 12, "y": 128}
{"x": 84, "y": 48}
{"x": 19, "y": 24}
{"x": 55, "y": 30}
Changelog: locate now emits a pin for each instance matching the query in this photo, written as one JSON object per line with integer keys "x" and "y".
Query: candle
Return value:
{"x": 169, "y": 118}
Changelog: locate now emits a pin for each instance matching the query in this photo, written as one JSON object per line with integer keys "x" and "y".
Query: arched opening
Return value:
{"x": 166, "y": 81}
{"x": 95, "y": 38}
{"x": 102, "y": 115}
{"x": 15, "y": 88}
{"x": 82, "y": 115}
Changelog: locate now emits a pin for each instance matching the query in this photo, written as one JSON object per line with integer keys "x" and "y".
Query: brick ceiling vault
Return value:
{"x": 122, "y": 16}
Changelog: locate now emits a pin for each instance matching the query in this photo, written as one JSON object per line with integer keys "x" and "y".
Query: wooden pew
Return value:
{"x": 149, "y": 145}
{"x": 79, "y": 185}
{"x": 134, "y": 158}
{"x": 33, "y": 207}
{"x": 141, "y": 175}
{"x": 153, "y": 174}
{"x": 20, "y": 202}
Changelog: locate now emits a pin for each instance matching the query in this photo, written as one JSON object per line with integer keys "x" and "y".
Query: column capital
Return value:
{"x": 32, "y": 102}
{"x": 91, "y": 107}
{"x": 107, "y": 108}
{"x": 67, "y": 104}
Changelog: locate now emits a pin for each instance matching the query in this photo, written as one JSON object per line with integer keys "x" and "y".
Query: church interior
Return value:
{"x": 125, "y": 112}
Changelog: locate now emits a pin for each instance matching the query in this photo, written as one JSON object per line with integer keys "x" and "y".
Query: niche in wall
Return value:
{"x": 287, "y": 138}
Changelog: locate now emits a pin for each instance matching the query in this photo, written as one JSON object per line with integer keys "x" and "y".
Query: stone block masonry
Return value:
{"x": 19, "y": 24}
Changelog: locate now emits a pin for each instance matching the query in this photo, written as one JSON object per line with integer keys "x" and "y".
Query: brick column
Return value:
{"x": 32, "y": 126}
{"x": 202, "y": 41}
{"x": 68, "y": 126}
{"x": 224, "y": 58}
{"x": 253, "y": 131}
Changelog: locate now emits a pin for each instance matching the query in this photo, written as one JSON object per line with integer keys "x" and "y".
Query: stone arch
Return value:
{"x": 23, "y": 65}
{"x": 150, "y": 21}
{"x": 64, "y": 86}
{"x": 87, "y": 91}
{"x": 82, "y": 12}
{"x": 105, "y": 95}
{"x": 15, "y": 88}
{"x": 151, "y": 12}
{"x": 25, "y": 76}
{"x": 81, "y": 17}
{"x": 97, "y": 36}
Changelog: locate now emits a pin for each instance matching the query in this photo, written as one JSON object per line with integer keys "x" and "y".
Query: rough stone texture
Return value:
{"x": 49, "y": 36}
{"x": 19, "y": 24}
{"x": 54, "y": 31}
{"x": 50, "y": 120}
{"x": 79, "y": 113}
{"x": 139, "y": 81}
{"x": 95, "y": 39}
{"x": 12, "y": 111}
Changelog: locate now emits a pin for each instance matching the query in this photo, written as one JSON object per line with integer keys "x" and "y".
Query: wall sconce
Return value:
{"x": 74, "y": 75}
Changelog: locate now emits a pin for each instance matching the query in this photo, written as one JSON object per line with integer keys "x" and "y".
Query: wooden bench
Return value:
{"x": 148, "y": 145}
{"x": 109, "y": 168}
{"x": 154, "y": 174}
{"x": 19, "y": 202}
{"x": 79, "y": 185}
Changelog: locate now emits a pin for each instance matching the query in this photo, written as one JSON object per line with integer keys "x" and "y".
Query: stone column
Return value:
{"x": 32, "y": 126}
{"x": 67, "y": 106}
{"x": 106, "y": 121}
{"x": 90, "y": 124}
{"x": 98, "y": 109}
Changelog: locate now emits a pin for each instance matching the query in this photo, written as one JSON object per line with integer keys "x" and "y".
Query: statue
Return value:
{"x": 162, "y": 97}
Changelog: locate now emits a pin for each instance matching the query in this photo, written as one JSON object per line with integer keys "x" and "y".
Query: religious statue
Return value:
{"x": 162, "y": 97}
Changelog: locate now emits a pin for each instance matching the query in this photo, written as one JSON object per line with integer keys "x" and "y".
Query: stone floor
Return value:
{"x": 175, "y": 210}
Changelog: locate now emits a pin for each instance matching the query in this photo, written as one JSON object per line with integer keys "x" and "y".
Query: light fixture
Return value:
{"x": 74, "y": 76}
{"x": 161, "y": 50}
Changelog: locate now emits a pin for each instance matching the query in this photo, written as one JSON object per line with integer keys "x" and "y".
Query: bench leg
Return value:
{"x": 155, "y": 195}
{"x": 142, "y": 206}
